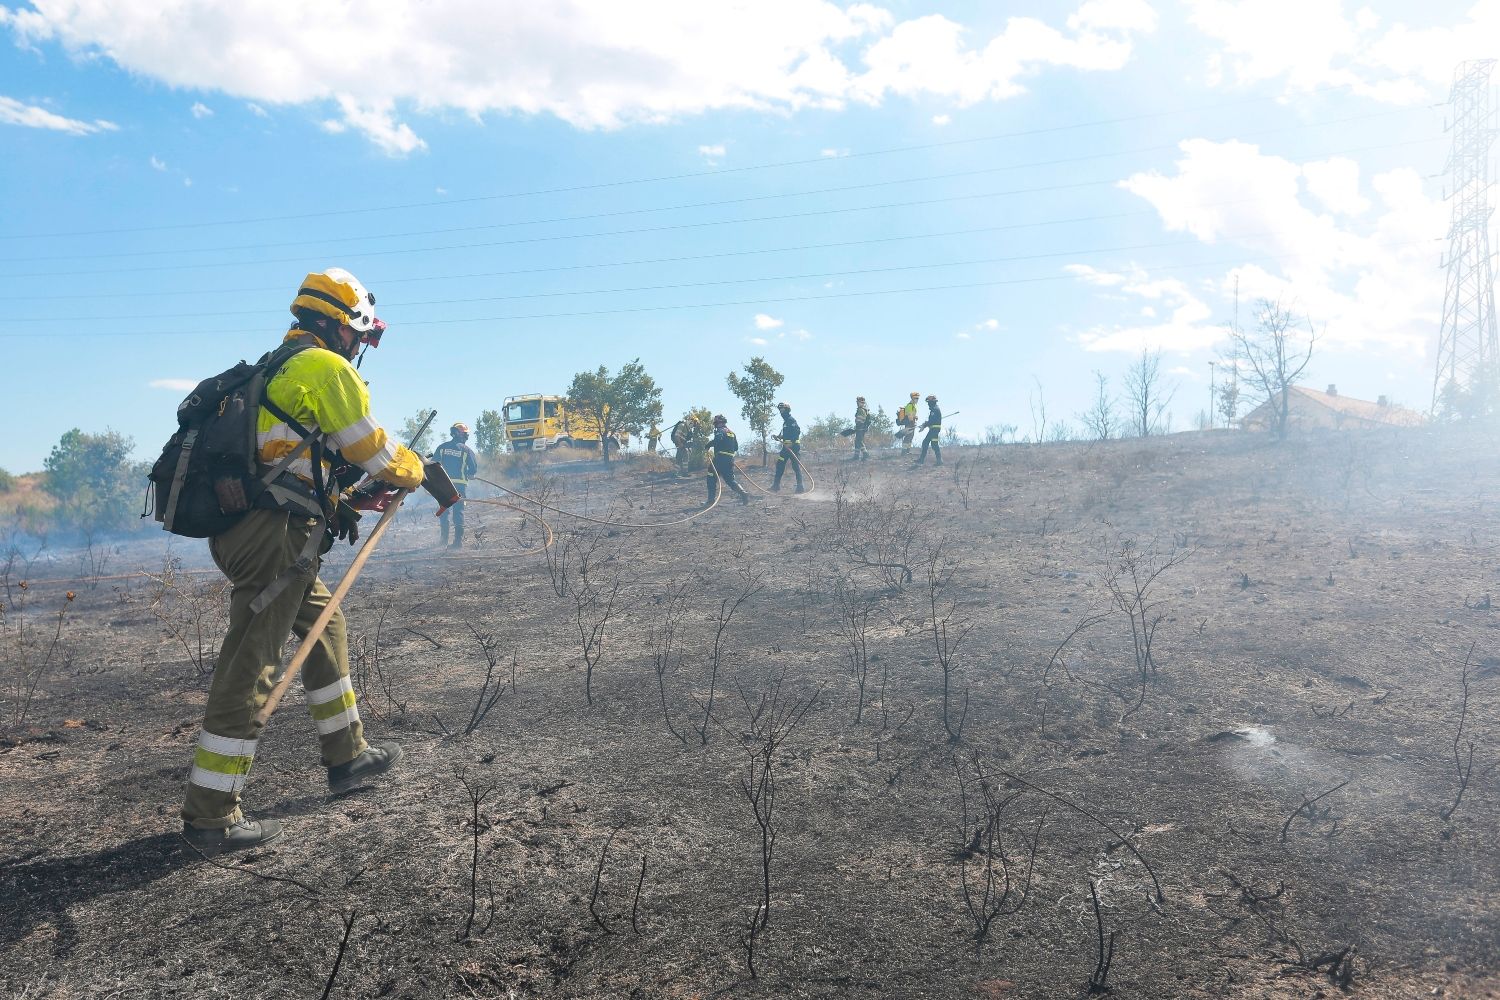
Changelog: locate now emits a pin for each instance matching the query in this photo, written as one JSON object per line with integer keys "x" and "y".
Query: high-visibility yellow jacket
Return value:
{"x": 321, "y": 391}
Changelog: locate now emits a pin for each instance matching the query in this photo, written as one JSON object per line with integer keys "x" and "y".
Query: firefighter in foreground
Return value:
{"x": 722, "y": 447}
{"x": 906, "y": 419}
{"x": 861, "y": 426}
{"x": 933, "y": 425}
{"x": 271, "y": 557}
{"x": 460, "y": 462}
{"x": 791, "y": 447}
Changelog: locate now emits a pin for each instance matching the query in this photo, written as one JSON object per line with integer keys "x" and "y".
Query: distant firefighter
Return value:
{"x": 682, "y": 439}
{"x": 933, "y": 425}
{"x": 653, "y": 436}
{"x": 861, "y": 426}
{"x": 723, "y": 447}
{"x": 460, "y": 462}
{"x": 791, "y": 447}
{"x": 906, "y": 419}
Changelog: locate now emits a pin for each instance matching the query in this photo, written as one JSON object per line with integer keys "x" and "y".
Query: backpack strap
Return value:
{"x": 179, "y": 476}
{"x": 312, "y": 441}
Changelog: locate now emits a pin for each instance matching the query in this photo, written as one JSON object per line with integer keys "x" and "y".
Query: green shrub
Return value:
{"x": 95, "y": 483}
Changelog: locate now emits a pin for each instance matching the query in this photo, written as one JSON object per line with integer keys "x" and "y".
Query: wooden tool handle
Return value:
{"x": 316, "y": 632}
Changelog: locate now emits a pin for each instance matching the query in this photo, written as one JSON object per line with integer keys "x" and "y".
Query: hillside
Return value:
{"x": 1277, "y": 765}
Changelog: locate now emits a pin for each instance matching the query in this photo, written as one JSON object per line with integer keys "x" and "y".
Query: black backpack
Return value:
{"x": 208, "y": 475}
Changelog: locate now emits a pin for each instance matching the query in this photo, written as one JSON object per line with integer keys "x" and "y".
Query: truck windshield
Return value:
{"x": 524, "y": 410}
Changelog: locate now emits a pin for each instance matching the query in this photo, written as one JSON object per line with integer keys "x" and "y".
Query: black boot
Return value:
{"x": 242, "y": 836}
{"x": 358, "y": 773}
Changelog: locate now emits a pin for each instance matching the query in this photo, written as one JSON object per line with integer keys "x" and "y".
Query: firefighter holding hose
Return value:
{"x": 460, "y": 462}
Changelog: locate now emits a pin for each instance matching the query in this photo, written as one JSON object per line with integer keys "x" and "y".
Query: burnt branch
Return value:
{"x": 599, "y": 883}
{"x": 991, "y": 882}
{"x": 1463, "y": 764}
{"x": 477, "y": 790}
{"x": 1124, "y": 841}
{"x": 662, "y": 641}
{"x": 338, "y": 959}
{"x": 1307, "y": 807}
{"x": 751, "y": 583}
{"x": 1099, "y": 979}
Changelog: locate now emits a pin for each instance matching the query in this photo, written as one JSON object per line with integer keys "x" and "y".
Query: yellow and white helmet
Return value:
{"x": 337, "y": 294}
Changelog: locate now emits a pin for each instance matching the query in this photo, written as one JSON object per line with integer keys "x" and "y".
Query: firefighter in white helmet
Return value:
{"x": 271, "y": 557}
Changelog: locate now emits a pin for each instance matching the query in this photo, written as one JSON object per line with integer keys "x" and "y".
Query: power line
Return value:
{"x": 683, "y": 258}
{"x": 995, "y": 283}
{"x": 721, "y": 202}
{"x": 817, "y": 213}
{"x": 677, "y": 286}
{"x": 686, "y": 175}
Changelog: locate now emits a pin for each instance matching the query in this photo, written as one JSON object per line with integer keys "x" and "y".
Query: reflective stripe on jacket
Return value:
{"x": 321, "y": 391}
{"x": 458, "y": 460}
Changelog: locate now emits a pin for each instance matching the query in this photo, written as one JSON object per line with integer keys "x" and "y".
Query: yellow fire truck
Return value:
{"x": 536, "y": 422}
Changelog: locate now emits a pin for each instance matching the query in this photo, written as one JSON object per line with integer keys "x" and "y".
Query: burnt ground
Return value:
{"x": 1312, "y": 637}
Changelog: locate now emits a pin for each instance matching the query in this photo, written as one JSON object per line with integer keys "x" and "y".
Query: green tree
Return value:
{"x": 882, "y": 429}
{"x": 757, "y": 393}
{"x": 489, "y": 434}
{"x": 627, "y": 401}
{"x": 96, "y": 485}
{"x": 7, "y": 481}
{"x": 823, "y": 431}
{"x": 423, "y": 443}
{"x": 701, "y": 420}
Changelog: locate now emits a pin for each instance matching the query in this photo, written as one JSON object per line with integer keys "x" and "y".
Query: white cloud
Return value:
{"x": 379, "y": 125}
{"x": 201, "y": 110}
{"x": 758, "y": 341}
{"x": 833, "y": 153}
{"x": 713, "y": 154}
{"x": 931, "y": 54}
{"x": 1185, "y": 372}
{"x": 1365, "y": 277}
{"x": 988, "y": 324}
{"x": 175, "y": 384}
{"x": 13, "y": 112}
{"x": 764, "y": 322}
{"x": 157, "y": 164}
{"x": 1397, "y": 64}
{"x": 802, "y": 335}
{"x": 1335, "y": 182}
{"x": 1189, "y": 325}
{"x": 257, "y": 110}
{"x": 440, "y": 190}
{"x": 1107, "y": 15}
{"x": 963, "y": 335}
{"x": 591, "y": 63}
{"x": 941, "y": 120}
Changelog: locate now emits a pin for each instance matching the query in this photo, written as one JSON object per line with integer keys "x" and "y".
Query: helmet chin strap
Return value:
{"x": 359, "y": 359}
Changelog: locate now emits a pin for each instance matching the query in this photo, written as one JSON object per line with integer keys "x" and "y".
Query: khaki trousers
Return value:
{"x": 252, "y": 554}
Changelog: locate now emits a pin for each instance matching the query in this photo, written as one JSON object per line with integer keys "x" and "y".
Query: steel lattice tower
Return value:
{"x": 1468, "y": 349}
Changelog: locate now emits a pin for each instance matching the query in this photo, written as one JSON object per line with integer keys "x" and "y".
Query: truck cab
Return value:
{"x": 537, "y": 422}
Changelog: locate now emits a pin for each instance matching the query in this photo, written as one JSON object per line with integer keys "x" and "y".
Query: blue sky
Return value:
{"x": 961, "y": 198}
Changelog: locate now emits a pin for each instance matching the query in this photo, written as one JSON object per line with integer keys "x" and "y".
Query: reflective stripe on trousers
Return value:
{"x": 221, "y": 763}
{"x": 332, "y": 706}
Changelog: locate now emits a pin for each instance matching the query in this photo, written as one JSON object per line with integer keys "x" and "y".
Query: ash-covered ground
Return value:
{"x": 1211, "y": 682}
